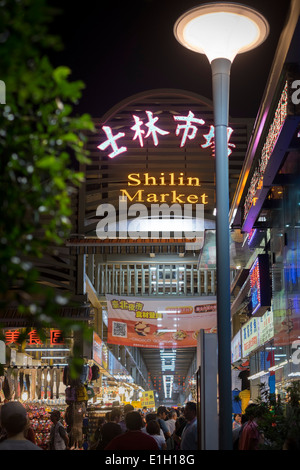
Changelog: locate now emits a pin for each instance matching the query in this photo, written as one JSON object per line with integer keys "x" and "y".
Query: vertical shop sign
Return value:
{"x": 236, "y": 348}
{"x": 260, "y": 285}
{"x": 266, "y": 327}
{"x": 250, "y": 336}
{"x": 97, "y": 349}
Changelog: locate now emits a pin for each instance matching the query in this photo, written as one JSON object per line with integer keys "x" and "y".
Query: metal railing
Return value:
{"x": 154, "y": 279}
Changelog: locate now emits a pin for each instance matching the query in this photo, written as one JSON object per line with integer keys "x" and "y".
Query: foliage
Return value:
{"x": 42, "y": 144}
{"x": 279, "y": 421}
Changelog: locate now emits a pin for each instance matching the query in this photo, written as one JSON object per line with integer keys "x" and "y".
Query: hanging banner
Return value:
{"x": 159, "y": 323}
{"x": 148, "y": 399}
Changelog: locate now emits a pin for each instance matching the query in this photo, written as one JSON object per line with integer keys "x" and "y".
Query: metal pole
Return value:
{"x": 220, "y": 80}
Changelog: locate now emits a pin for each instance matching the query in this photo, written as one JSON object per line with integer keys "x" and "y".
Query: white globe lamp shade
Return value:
{"x": 221, "y": 30}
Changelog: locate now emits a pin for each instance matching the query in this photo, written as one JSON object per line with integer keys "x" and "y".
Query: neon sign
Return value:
{"x": 189, "y": 129}
{"x": 260, "y": 285}
{"x": 13, "y": 336}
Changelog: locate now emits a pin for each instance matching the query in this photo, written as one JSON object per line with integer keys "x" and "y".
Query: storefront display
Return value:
{"x": 40, "y": 422}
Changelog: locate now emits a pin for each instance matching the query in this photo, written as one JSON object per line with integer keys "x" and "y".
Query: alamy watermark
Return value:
{"x": 2, "y": 92}
{"x": 295, "y": 357}
{"x": 161, "y": 221}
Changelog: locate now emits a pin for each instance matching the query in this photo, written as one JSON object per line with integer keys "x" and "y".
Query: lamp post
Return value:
{"x": 222, "y": 30}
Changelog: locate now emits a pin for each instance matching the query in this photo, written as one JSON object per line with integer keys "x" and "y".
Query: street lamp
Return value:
{"x": 221, "y": 31}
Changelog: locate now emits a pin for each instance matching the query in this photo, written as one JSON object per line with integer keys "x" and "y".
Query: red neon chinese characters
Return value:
{"x": 12, "y": 336}
{"x": 56, "y": 337}
{"x": 187, "y": 127}
{"x": 152, "y": 129}
{"x": 34, "y": 338}
{"x": 111, "y": 141}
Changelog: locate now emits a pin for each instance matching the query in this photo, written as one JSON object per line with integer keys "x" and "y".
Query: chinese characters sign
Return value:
{"x": 148, "y": 399}
{"x": 186, "y": 129}
{"x": 158, "y": 323}
{"x": 13, "y": 337}
{"x": 250, "y": 336}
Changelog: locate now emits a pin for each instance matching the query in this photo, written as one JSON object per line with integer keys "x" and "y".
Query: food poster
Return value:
{"x": 159, "y": 323}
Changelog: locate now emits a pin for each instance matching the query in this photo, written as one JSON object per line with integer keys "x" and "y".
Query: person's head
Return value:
{"x": 173, "y": 415}
{"x": 180, "y": 422}
{"x": 128, "y": 408}
{"x": 109, "y": 431}
{"x": 252, "y": 412}
{"x": 101, "y": 420}
{"x": 190, "y": 410}
{"x": 151, "y": 417}
{"x": 13, "y": 418}
{"x": 153, "y": 427}
{"x": 237, "y": 417}
{"x": 133, "y": 421}
{"x": 55, "y": 416}
{"x": 115, "y": 415}
{"x": 162, "y": 412}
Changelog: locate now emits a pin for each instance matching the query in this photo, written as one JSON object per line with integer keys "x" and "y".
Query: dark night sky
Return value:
{"x": 119, "y": 48}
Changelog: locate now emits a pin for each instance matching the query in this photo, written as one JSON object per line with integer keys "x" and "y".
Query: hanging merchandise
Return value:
{"x": 70, "y": 394}
{"x": 90, "y": 392}
{"x": 81, "y": 393}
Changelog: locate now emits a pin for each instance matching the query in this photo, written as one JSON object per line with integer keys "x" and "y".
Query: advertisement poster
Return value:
{"x": 148, "y": 399}
{"x": 159, "y": 323}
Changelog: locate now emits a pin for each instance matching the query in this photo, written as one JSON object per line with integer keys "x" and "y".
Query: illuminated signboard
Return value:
{"x": 170, "y": 187}
{"x": 260, "y": 285}
{"x": 13, "y": 337}
{"x": 186, "y": 129}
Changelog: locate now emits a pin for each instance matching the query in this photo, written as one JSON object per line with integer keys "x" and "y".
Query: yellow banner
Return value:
{"x": 148, "y": 399}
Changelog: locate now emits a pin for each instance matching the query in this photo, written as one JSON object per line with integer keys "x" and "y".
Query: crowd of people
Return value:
{"x": 164, "y": 429}
{"x": 127, "y": 429}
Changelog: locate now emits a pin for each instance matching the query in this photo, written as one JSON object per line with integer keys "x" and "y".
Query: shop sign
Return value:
{"x": 260, "y": 285}
{"x": 158, "y": 323}
{"x": 236, "y": 348}
{"x": 147, "y": 399}
{"x": 145, "y": 127}
{"x": 12, "y": 337}
{"x": 266, "y": 327}
{"x": 250, "y": 336}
